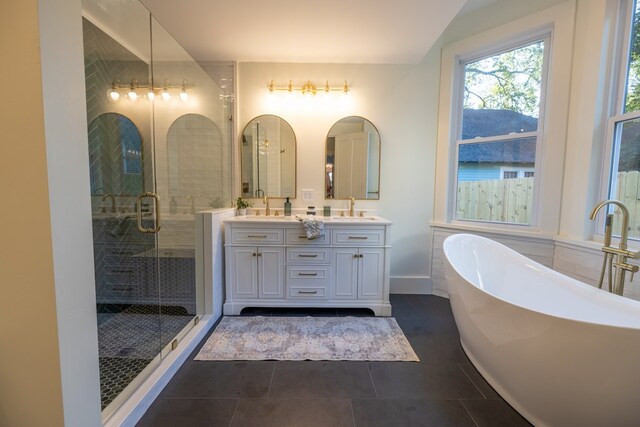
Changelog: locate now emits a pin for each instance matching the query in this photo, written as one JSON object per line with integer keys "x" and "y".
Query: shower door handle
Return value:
{"x": 156, "y": 201}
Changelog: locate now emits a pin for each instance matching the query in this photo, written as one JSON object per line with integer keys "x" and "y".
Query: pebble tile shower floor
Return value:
{"x": 443, "y": 389}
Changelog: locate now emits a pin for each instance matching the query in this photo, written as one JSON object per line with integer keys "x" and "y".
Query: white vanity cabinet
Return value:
{"x": 256, "y": 272}
{"x": 359, "y": 273}
{"x": 271, "y": 263}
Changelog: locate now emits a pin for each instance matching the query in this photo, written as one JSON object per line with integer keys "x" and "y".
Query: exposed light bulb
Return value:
{"x": 133, "y": 95}
{"x": 114, "y": 95}
{"x": 151, "y": 95}
{"x": 184, "y": 96}
{"x": 166, "y": 96}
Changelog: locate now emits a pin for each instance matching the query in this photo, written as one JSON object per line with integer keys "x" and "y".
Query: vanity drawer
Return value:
{"x": 353, "y": 237}
{"x": 308, "y": 275}
{"x": 257, "y": 235}
{"x": 309, "y": 255}
{"x": 308, "y": 282}
{"x": 307, "y": 292}
{"x": 297, "y": 236}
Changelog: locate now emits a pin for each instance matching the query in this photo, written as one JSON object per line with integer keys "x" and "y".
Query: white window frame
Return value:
{"x": 545, "y": 35}
{"x": 618, "y": 81}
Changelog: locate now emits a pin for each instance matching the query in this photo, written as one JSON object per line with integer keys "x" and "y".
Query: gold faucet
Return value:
{"x": 113, "y": 201}
{"x": 352, "y": 203}
{"x": 267, "y": 211}
{"x": 621, "y": 253}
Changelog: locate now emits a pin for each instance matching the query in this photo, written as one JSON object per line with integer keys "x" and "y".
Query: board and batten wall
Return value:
{"x": 579, "y": 260}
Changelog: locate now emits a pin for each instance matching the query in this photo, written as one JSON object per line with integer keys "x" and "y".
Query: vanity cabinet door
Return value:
{"x": 370, "y": 273}
{"x": 270, "y": 272}
{"x": 244, "y": 272}
{"x": 345, "y": 279}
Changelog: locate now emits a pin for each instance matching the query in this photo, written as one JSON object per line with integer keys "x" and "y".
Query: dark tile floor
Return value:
{"x": 443, "y": 389}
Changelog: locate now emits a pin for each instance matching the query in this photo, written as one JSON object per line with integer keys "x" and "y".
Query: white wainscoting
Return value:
{"x": 583, "y": 261}
{"x": 578, "y": 259}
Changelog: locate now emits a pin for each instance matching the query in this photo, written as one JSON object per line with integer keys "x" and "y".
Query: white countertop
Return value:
{"x": 334, "y": 220}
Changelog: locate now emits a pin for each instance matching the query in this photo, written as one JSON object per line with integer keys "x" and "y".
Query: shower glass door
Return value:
{"x": 160, "y": 152}
{"x": 192, "y": 173}
{"x": 124, "y": 206}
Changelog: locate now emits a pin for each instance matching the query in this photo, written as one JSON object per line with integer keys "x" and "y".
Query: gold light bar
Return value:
{"x": 308, "y": 88}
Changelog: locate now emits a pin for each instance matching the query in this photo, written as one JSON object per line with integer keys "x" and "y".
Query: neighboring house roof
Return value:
{"x": 481, "y": 123}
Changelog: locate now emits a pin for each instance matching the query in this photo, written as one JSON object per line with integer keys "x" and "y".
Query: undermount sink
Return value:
{"x": 354, "y": 218}
{"x": 267, "y": 218}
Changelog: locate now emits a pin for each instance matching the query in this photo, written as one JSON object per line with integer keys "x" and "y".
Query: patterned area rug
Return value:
{"x": 308, "y": 338}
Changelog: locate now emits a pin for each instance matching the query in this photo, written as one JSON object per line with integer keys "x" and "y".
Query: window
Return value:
{"x": 499, "y": 133}
{"x": 623, "y": 145}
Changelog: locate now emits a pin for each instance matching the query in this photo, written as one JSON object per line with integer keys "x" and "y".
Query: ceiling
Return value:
{"x": 332, "y": 31}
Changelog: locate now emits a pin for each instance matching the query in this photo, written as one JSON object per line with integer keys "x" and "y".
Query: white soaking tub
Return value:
{"x": 561, "y": 352}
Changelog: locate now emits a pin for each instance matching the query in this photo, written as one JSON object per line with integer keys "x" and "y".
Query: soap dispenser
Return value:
{"x": 287, "y": 208}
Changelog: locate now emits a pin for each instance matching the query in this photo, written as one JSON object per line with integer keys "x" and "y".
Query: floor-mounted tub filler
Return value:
{"x": 561, "y": 352}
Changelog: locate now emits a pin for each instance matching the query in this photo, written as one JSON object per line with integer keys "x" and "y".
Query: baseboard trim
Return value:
{"x": 411, "y": 285}
{"x": 135, "y": 407}
{"x": 441, "y": 293}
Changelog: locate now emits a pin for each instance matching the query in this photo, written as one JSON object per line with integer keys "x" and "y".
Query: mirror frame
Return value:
{"x": 295, "y": 159}
{"x": 325, "y": 158}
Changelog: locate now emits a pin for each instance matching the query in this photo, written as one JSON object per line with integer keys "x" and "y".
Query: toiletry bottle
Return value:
{"x": 173, "y": 205}
{"x": 287, "y": 208}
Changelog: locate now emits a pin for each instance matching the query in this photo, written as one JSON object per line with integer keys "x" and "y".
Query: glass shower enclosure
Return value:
{"x": 159, "y": 152}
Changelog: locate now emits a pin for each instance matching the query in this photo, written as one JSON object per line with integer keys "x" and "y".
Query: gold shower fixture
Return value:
{"x": 309, "y": 88}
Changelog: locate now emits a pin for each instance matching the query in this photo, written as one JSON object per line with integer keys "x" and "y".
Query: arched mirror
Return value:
{"x": 268, "y": 147}
{"x": 352, "y": 160}
{"x": 195, "y": 160}
{"x": 115, "y": 156}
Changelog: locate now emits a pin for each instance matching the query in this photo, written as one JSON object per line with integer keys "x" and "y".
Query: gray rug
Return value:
{"x": 308, "y": 338}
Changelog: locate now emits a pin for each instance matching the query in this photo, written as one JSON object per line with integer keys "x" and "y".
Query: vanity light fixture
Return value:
{"x": 132, "y": 94}
{"x": 308, "y": 88}
{"x": 131, "y": 90}
{"x": 114, "y": 95}
{"x": 184, "y": 96}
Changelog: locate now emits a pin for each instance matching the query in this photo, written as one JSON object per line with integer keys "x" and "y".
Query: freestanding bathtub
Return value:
{"x": 561, "y": 352}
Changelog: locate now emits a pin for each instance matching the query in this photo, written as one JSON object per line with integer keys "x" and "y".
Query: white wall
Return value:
{"x": 49, "y": 365}
{"x": 65, "y": 123}
{"x": 401, "y": 101}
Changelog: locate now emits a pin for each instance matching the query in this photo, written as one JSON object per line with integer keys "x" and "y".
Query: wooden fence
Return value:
{"x": 627, "y": 191}
{"x": 510, "y": 200}
{"x": 501, "y": 200}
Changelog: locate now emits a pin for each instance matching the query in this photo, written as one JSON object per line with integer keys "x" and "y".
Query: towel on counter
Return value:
{"x": 313, "y": 226}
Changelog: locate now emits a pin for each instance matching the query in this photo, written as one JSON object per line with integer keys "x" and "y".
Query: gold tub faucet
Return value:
{"x": 616, "y": 257}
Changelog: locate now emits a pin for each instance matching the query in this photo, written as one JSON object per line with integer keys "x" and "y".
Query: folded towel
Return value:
{"x": 313, "y": 226}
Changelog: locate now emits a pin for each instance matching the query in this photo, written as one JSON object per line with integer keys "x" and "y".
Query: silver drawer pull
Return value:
{"x": 358, "y": 237}
{"x": 264, "y": 236}
{"x": 307, "y": 256}
{"x": 307, "y": 292}
{"x": 307, "y": 274}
